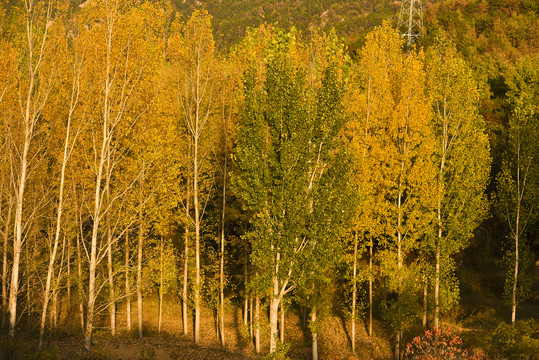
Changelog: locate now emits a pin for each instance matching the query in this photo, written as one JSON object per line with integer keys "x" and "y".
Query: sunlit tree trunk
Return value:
{"x": 314, "y": 333}
{"x": 127, "y": 283}
{"x": 139, "y": 256}
{"x": 257, "y": 324}
{"x": 160, "y": 285}
{"x": 371, "y": 275}
{"x": 354, "y": 294}
{"x": 186, "y": 265}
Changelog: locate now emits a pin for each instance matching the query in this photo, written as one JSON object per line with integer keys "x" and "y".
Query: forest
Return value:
{"x": 268, "y": 180}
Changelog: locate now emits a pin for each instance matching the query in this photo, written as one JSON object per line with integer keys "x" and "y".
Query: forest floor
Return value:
{"x": 481, "y": 308}
{"x": 334, "y": 339}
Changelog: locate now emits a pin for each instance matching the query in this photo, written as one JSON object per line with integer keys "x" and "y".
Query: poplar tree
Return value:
{"x": 399, "y": 157}
{"x": 193, "y": 55}
{"x": 284, "y": 150}
{"x": 461, "y": 179}
{"x": 34, "y": 81}
{"x": 517, "y": 186}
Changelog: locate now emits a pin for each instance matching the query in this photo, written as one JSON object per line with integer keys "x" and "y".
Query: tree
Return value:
{"x": 461, "y": 178}
{"x": 516, "y": 184}
{"x": 285, "y": 152}
{"x": 393, "y": 107}
{"x": 72, "y": 70}
{"x": 34, "y": 82}
{"x": 123, "y": 59}
{"x": 193, "y": 51}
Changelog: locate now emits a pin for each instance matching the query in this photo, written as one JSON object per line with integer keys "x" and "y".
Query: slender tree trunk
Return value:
{"x": 197, "y": 238}
{"x": 282, "y": 322}
{"x": 186, "y": 266}
{"x": 5, "y": 284}
{"x": 54, "y": 312}
{"x": 112, "y": 299}
{"x": 127, "y": 284}
{"x": 245, "y": 310}
{"x": 80, "y": 279}
{"x": 437, "y": 284}
{"x": 18, "y": 233}
{"x": 246, "y": 297}
{"x": 68, "y": 285}
{"x": 425, "y": 300}
{"x": 160, "y": 286}
{"x": 354, "y": 294}
{"x": 397, "y": 345}
{"x": 257, "y": 324}
{"x": 251, "y": 317}
{"x": 314, "y": 333}
{"x": 139, "y": 260}
{"x": 399, "y": 262}
{"x": 274, "y": 314}
{"x": 517, "y": 233}
{"x": 370, "y": 290}
{"x": 222, "y": 260}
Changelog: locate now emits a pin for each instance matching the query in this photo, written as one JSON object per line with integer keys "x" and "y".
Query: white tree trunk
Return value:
{"x": 127, "y": 284}
{"x": 370, "y": 290}
{"x": 160, "y": 286}
{"x": 186, "y": 266}
{"x": 314, "y": 333}
{"x": 354, "y": 294}
{"x": 257, "y": 324}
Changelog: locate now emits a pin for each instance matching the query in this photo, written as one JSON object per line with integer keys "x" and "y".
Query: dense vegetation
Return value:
{"x": 149, "y": 149}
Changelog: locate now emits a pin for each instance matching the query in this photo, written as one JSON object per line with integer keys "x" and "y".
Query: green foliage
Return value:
{"x": 292, "y": 172}
{"x": 519, "y": 341}
{"x": 517, "y": 184}
{"x": 280, "y": 352}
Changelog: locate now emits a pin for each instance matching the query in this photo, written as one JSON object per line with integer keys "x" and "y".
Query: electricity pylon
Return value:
{"x": 410, "y": 23}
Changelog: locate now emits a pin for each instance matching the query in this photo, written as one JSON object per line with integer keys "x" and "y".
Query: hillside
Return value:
{"x": 351, "y": 19}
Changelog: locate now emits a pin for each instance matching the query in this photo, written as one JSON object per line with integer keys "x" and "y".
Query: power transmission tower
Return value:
{"x": 410, "y": 23}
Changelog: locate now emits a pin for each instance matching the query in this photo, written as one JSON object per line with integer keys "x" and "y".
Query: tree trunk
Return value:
{"x": 245, "y": 310}
{"x": 68, "y": 285}
{"x": 139, "y": 267}
{"x": 4, "y": 265}
{"x": 18, "y": 233}
{"x": 517, "y": 233}
{"x": 282, "y": 322}
{"x": 399, "y": 263}
{"x": 437, "y": 284}
{"x": 397, "y": 345}
{"x": 251, "y": 317}
{"x": 425, "y": 301}
{"x": 370, "y": 289}
{"x": 186, "y": 266}
{"x": 314, "y": 333}
{"x": 197, "y": 239}
{"x": 273, "y": 314}
{"x": 80, "y": 288}
{"x": 257, "y": 324}
{"x": 354, "y": 294}
{"x": 112, "y": 300}
{"x": 127, "y": 284}
{"x": 222, "y": 266}
{"x": 160, "y": 286}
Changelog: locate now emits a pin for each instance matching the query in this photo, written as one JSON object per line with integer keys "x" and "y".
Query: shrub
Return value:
{"x": 519, "y": 341}
{"x": 438, "y": 345}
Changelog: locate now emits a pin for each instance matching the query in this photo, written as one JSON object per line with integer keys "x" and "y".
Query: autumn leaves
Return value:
{"x": 157, "y": 130}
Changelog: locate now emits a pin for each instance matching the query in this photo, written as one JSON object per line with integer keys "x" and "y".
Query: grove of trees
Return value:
{"x": 137, "y": 156}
